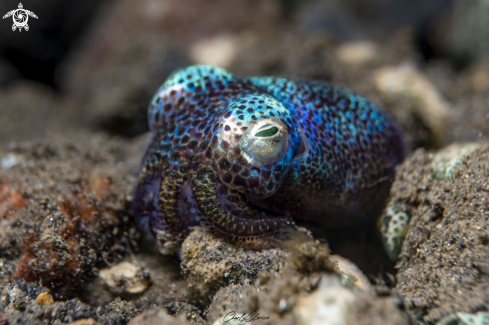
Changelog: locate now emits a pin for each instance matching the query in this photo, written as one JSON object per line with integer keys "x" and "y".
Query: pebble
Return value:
{"x": 209, "y": 263}
{"x": 11, "y": 160}
{"x": 447, "y": 160}
{"x": 218, "y": 51}
{"x": 480, "y": 318}
{"x": 348, "y": 268}
{"x": 44, "y": 299}
{"x": 357, "y": 53}
{"x": 328, "y": 304}
{"x": 125, "y": 278}
{"x": 393, "y": 225}
{"x": 407, "y": 80}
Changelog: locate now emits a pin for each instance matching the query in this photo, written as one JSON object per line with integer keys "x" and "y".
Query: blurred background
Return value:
{"x": 92, "y": 67}
{"x": 94, "y": 64}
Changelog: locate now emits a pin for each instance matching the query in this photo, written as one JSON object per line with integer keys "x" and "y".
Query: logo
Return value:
{"x": 20, "y": 17}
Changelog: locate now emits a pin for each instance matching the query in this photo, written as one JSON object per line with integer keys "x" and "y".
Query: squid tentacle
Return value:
{"x": 225, "y": 222}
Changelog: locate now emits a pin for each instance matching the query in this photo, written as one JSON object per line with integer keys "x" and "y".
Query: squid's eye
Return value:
{"x": 267, "y": 132}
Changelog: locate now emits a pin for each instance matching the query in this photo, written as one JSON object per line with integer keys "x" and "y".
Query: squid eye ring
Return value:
{"x": 266, "y": 143}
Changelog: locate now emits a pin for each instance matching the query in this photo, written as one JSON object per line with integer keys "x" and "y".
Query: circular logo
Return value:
{"x": 20, "y": 18}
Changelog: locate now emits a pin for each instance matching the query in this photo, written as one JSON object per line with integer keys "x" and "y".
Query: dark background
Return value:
{"x": 37, "y": 54}
{"x": 95, "y": 64}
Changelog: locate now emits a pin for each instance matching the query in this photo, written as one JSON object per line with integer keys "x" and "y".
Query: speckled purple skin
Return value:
{"x": 328, "y": 155}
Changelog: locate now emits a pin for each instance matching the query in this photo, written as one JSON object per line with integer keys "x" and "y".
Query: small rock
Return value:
{"x": 393, "y": 225}
{"x": 328, "y": 304}
{"x": 481, "y": 318}
{"x": 125, "y": 278}
{"x": 44, "y": 299}
{"x": 446, "y": 161}
{"x": 357, "y": 53}
{"x": 348, "y": 268}
{"x": 406, "y": 80}
{"x": 218, "y": 51}
{"x": 11, "y": 160}
{"x": 210, "y": 262}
